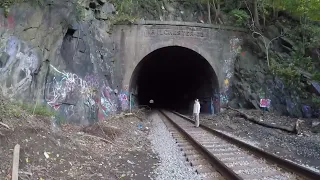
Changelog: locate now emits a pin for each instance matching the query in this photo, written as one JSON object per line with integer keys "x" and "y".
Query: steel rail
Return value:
{"x": 285, "y": 164}
{"x": 215, "y": 162}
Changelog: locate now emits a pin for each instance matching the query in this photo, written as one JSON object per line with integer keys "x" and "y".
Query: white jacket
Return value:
{"x": 196, "y": 107}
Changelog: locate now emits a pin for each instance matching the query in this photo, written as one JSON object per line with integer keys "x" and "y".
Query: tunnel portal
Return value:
{"x": 173, "y": 77}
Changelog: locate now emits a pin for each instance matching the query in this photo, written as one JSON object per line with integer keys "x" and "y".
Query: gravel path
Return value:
{"x": 172, "y": 164}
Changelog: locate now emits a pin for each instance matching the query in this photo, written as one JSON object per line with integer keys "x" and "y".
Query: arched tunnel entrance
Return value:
{"x": 174, "y": 77}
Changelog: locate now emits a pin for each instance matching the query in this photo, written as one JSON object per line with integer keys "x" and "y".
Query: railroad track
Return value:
{"x": 215, "y": 155}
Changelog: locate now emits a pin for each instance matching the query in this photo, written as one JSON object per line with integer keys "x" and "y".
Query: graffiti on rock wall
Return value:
{"x": 124, "y": 101}
{"x": 69, "y": 89}
{"x": 306, "y": 111}
{"x": 18, "y": 64}
{"x": 92, "y": 80}
{"x": 107, "y": 103}
{"x": 66, "y": 86}
{"x": 220, "y": 99}
{"x": 228, "y": 69}
{"x": 7, "y": 22}
{"x": 235, "y": 46}
{"x": 226, "y": 82}
{"x": 309, "y": 111}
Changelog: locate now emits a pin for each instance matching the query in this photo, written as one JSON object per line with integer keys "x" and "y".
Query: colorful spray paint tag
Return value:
{"x": 265, "y": 103}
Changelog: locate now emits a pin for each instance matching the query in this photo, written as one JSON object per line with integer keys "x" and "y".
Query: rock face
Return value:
{"x": 51, "y": 58}
{"x": 253, "y": 80}
{"x": 250, "y": 84}
{"x": 316, "y": 126}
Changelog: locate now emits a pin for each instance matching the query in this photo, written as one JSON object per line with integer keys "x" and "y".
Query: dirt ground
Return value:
{"x": 116, "y": 148}
{"x": 303, "y": 149}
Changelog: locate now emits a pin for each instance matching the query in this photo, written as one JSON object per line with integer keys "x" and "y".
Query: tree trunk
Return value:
{"x": 215, "y": 10}
{"x": 263, "y": 16}
{"x": 256, "y": 13}
{"x": 274, "y": 10}
{"x": 295, "y": 129}
{"x": 216, "y": 6}
{"x": 209, "y": 12}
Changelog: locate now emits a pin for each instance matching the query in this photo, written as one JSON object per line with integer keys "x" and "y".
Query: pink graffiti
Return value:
{"x": 106, "y": 105}
{"x": 7, "y": 22}
{"x": 10, "y": 22}
{"x": 92, "y": 80}
{"x": 55, "y": 106}
{"x": 123, "y": 97}
{"x": 106, "y": 92}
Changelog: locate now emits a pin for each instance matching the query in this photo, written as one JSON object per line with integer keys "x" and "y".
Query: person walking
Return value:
{"x": 151, "y": 101}
{"x": 196, "y": 112}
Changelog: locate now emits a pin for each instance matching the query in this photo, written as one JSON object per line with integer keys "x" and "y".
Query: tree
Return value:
{"x": 217, "y": 10}
{"x": 216, "y": 4}
{"x": 305, "y": 9}
{"x": 256, "y": 13}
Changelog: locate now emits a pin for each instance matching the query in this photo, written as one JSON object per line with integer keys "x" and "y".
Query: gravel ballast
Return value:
{"x": 302, "y": 149}
{"x": 172, "y": 163}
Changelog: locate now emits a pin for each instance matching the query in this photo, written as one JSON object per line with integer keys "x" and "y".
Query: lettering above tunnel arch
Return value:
{"x": 177, "y": 32}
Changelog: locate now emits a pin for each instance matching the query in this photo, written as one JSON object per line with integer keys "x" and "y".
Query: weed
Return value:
{"x": 6, "y": 4}
{"x": 40, "y": 110}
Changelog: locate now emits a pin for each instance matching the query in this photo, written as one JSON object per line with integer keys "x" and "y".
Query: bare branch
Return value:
{"x": 267, "y": 45}
{"x": 4, "y": 125}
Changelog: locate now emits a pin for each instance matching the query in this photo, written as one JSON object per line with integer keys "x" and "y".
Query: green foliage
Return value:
{"x": 240, "y": 16}
{"x": 130, "y": 10}
{"x": 40, "y": 110}
{"x": 79, "y": 11}
{"x": 315, "y": 100}
{"x": 11, "y": 110}
{"x": 122, "y": 18}
{"x": 60, "y": 120}
{"x": 289, "y": 74}
{"x": 302, "y": 62}
{"x": 127, "y": 7}
{"x": 302, "y": 8}
{"x": 316, "y": 76}
{"x": 306, "y": 35}
{"x": 17, "y": 109}
{"x": 125, "y": 11}
{"x": 6, "y": 4}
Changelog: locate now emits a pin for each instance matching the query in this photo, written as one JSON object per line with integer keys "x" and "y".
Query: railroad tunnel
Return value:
{"x": 174, "y": 77}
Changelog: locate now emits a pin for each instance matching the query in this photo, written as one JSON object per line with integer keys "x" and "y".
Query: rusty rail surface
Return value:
{"x": 285, "y": 164}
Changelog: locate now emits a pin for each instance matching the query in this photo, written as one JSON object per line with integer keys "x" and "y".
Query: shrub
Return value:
{"x": 240, "y": 16}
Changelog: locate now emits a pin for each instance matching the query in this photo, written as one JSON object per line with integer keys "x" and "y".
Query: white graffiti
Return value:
{"x": 235, "y": 45}
{"x": 228, "y": 66}
{"x": 19, "y": 68}
{"x": 69, "y": 84}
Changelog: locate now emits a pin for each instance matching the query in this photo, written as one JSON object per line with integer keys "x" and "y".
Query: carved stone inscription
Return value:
{"x": 195, "y": 33}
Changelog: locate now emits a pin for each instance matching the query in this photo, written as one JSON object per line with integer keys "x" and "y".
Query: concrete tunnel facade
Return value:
{"x": 175, "y": 63}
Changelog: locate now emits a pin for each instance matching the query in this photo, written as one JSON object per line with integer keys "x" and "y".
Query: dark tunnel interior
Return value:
{"x": 174, "y": 77}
